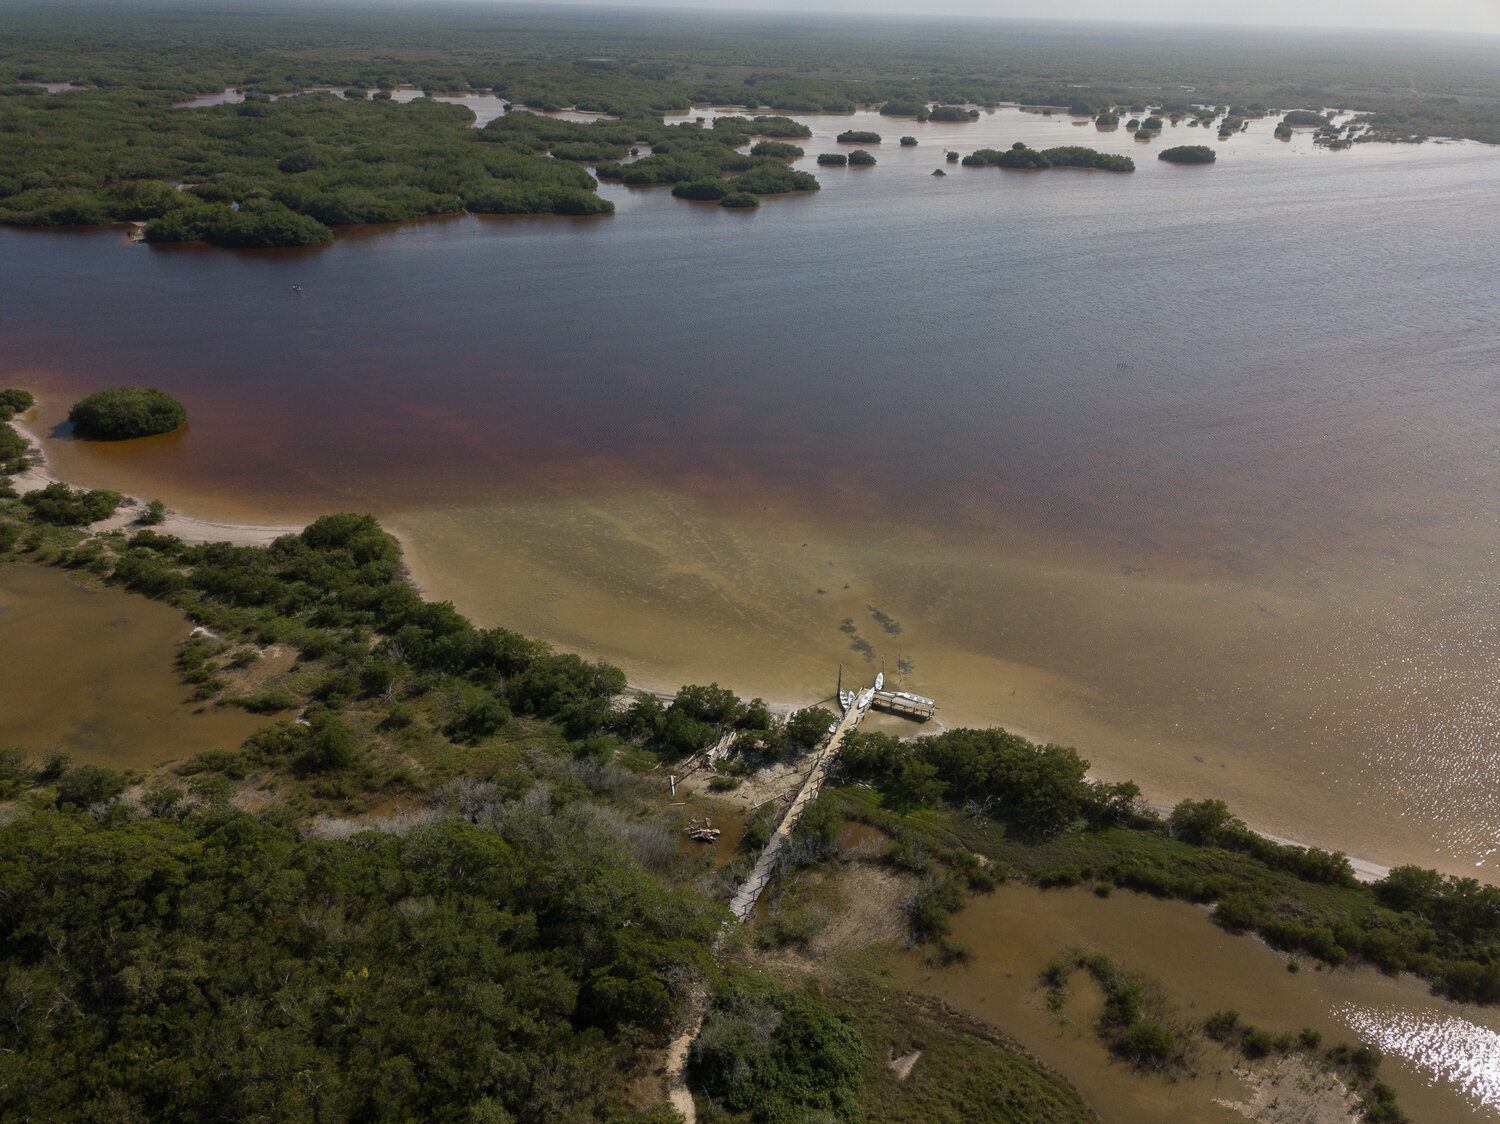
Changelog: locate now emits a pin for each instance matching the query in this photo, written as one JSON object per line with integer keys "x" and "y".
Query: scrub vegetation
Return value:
{"x": 1034, "y": 809}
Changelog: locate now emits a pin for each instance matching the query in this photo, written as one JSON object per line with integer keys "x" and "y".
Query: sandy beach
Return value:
{"x": 193, "y": 529}
{"x": 185, "y": 527}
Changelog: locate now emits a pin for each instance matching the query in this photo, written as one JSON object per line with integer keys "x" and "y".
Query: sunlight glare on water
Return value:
{"x": 1447, "y": 1047}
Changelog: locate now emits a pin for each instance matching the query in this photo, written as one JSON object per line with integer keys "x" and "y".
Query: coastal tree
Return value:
{"x": 807, "y": 728}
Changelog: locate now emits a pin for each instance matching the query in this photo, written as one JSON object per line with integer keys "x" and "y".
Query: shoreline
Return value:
{"x": 186, "y": 527}
{"x": 194, "y": 529}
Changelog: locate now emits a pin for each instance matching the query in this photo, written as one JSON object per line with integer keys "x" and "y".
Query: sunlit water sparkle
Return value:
{"x": 1447, "y": 1047}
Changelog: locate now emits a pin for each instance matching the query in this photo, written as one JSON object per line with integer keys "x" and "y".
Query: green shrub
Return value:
{"x": 266, "y": 702}
{"x": 1122, "y": 1006}
{"x": 87, "y": 785}
{"x": 1256, "y": 1043}
{"x": 61, "y": 505}
{"x": 930, "y": 909}
{"x": 1059, "y": 878}
{"x": 125, "y": 412}
{"x": 16, "y": 771}
{"x": 13, "y": 402}
{"x": 779, "y": 1057}
{"x": 1146, "y": 1044}
{"x": 1222, "y": 1025}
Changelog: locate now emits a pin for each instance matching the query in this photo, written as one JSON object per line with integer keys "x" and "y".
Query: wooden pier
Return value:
{"x": 906, "y": 705}
{"x": 855, "y": 704}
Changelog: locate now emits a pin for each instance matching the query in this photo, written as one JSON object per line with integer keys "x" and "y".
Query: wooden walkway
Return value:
{"x": 765, "y": 867}
{"x": 675, "y": 1076}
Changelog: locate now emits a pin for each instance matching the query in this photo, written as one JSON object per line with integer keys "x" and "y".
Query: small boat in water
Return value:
{"x": 880, "y": 679}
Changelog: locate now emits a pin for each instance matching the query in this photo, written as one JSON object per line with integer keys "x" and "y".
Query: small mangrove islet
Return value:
{"x": 124, "y": 412}
{"x": 1021, "y": 156}
{"x": 1188, "y": 154}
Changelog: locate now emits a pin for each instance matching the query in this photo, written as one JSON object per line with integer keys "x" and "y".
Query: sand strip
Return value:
{"x": 185, "y": 527}
{"x": 191, "y": 529}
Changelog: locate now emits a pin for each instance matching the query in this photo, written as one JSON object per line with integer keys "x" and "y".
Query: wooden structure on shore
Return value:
{"x": 904, "y": 704}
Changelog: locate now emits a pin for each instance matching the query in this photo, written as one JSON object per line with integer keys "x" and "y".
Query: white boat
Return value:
{"x": 864, "y": 698}
{"x": 845, "y": 698}
{"x": 911, "y": 698}
{"x": 880, "y": 679}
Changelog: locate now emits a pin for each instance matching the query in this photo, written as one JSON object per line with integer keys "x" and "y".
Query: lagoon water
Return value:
{"x": 1195, "y": 468}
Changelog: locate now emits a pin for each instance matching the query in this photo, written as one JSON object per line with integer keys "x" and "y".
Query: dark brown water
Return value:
{"x": 1192, "y": 468}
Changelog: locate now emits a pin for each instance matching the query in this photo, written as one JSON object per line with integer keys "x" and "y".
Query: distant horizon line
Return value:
{"x": 733, "y": 8}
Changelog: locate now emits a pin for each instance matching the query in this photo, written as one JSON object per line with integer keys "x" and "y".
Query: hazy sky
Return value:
{"x": 1444, "y": 15}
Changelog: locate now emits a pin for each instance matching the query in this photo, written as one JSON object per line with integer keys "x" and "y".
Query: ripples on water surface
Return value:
{"x": 1443, "y": 1046}
{"x": 1193, "y": 468}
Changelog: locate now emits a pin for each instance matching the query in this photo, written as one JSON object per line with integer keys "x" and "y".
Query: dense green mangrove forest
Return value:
{"x": 109, "y": 142}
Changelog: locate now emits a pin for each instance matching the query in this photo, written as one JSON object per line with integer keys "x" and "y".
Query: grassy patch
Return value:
{"x": 967, "y": 1071}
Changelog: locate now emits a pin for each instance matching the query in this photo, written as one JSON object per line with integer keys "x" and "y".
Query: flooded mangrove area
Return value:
{"x": 1440, "y": 1057}
{"x": 90, "y": 673}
